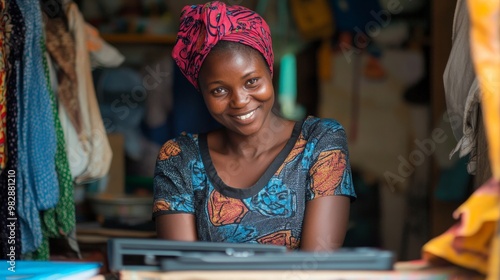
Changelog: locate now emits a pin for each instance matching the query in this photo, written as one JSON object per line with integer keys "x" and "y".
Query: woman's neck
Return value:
{"x": 274, "y": 132}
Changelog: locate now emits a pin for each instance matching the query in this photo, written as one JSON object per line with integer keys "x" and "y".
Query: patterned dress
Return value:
{"x": 313, "y": 163}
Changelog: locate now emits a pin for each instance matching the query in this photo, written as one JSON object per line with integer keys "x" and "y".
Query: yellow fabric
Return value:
{"x": 485, "y": 45}
{"x": 468, "y": 242}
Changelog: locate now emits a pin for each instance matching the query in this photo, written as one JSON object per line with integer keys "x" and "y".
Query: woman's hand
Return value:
{"x": 180, "y": 227}
{"x": 325, "y": 223}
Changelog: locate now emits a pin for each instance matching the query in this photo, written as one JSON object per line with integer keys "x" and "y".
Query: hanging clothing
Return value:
{"x": 461, "y": 88}
{"x": 94, "y": 138}
{"x": 101, "y": 54}
{"x": 38, "y": 186}
{"x": 459, "y": 72}
{"x": 15, "y": 47}
{"x": 58, "y": 221}
{"x": 61, "y": 47}
{"x": 467, "y": 145}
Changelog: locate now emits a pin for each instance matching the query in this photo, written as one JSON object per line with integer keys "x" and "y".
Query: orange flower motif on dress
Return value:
{"x": 280, "y": 238}
{"x": 161, "y": 205}
{"x": 224, "y": 210}
{"x": 297, "y": 149}
{"x": 327, "y": 172}
{"x": 169, "y": 149}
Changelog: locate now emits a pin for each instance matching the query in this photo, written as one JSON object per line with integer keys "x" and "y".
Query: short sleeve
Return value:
{"x": 173, "y": 191}
{"x": 330, "y": 170}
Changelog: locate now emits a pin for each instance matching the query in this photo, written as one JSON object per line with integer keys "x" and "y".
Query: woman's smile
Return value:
{"x": 246, "y": 116}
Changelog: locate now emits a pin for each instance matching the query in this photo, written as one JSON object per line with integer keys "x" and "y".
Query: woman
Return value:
{"x": 261, "y": 178}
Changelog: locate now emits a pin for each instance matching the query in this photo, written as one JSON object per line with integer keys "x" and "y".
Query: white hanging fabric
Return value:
{"x": 93, "y": 139}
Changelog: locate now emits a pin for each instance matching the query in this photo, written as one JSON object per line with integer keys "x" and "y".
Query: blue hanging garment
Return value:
{"x": 37, "y": 185}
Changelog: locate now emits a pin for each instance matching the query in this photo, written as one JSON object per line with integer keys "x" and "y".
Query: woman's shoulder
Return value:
{"x": 314, "y": 126}
{"x": 185, "y": 143}
{"x": 324, "y": 134}
{"x": 184, "y": 139}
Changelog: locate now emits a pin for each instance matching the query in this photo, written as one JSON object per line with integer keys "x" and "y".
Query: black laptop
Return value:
{"x": 166, "y": 255}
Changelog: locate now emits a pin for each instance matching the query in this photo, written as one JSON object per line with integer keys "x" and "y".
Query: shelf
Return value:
{"x": 131, "y": 38}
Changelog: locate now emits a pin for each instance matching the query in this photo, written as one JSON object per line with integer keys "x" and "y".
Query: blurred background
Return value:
{"x": 374, "y": 65}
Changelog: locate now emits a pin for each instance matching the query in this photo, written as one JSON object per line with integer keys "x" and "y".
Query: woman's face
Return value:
{"x": 238, "y": 90}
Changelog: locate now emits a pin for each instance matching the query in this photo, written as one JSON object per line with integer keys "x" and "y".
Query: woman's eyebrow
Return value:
{"x": 242, "y": 78}
{"x": 248, "y": 74}
{"x": 214, "y": 82}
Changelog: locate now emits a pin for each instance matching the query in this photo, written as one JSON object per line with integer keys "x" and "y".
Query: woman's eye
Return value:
{"x": 252, "y": 82}
{"x": 219, "y": 91}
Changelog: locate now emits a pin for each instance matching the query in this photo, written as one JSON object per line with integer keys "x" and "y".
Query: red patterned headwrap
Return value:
{"x": 202, "y": 26}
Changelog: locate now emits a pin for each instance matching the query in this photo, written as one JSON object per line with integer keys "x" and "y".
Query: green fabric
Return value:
{"x": 58, "y": 221}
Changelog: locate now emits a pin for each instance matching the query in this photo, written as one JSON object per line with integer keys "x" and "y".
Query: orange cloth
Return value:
{"x": 468, "y": 242}
{"x": 485, "y": 45}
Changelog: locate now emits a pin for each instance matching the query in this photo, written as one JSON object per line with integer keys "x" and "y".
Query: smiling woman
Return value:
{"x": 261, "y": 178}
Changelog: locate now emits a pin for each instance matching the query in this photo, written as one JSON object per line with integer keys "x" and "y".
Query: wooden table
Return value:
{"x": 415, "y": 270}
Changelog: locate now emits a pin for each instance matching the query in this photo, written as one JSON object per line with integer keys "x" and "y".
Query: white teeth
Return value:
{"x": 244, "y": 117}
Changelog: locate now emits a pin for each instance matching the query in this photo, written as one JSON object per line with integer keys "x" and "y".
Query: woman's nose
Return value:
{"x": 239, "y": 99}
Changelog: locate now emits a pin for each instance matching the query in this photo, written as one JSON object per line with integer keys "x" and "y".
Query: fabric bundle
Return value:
{"x": 468, "y": 242}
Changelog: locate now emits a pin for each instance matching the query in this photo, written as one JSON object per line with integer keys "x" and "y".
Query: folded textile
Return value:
{"x": 467, "y": 243}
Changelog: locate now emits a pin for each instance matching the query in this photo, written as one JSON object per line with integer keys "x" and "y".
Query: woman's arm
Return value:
{"x": 180, "y": 227}
{"x": 325, "y": 223}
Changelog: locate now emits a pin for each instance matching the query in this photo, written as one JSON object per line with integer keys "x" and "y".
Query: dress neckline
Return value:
{"x": 241, "y": 193}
